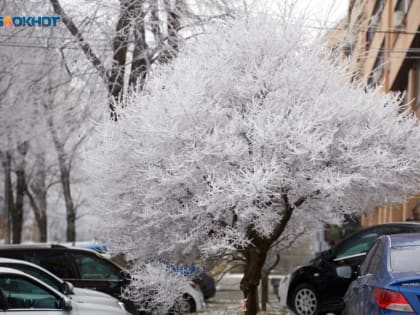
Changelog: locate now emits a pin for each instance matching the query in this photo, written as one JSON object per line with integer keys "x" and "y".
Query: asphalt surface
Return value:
{"x": 228, "y": 298}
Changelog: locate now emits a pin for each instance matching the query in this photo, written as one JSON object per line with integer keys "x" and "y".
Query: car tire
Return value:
{"x": 184, "y": 305}
{"x": 305, "y": 300}
{"x": 190, "y": 302}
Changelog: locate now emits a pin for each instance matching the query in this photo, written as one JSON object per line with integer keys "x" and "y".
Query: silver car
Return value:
{"x": 78, "y": 294}
{"x": 22, "y": 294}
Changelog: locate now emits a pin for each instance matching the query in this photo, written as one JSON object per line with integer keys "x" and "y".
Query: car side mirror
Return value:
{"x": 66, "y": 302}
{"x": 344, "y": 272}
{"x": 327, "y": 254}
{"x": 68, "y": 288}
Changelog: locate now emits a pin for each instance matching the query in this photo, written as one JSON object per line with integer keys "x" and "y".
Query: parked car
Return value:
{"x": 84, "y": 268}
{"x": 315, "y": 288}
{"x": 206, "y": 283}
{"x": 200, "y": 277}
{"x": 388, "y": 281}
{"x": 190, "y": 302}
{"x": 66, "y": 288}
{"x": 22, "y": 294}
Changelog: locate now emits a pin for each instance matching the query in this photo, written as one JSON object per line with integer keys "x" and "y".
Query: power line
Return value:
{"x": 105, "y": 48}
{"x": 18, "y": 45}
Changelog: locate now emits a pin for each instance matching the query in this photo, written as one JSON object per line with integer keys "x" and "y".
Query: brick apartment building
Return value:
{"x": 381, "y": 38}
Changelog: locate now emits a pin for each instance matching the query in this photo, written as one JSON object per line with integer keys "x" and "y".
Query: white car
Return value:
{"x": 22, "y": 294}
{"x": 66, "y": 288}
{"x": 195, "y": 299}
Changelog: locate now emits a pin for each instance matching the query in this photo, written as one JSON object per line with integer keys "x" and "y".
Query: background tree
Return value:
{"x": 16, "y": 121}
{"x": 248, "y": 128}
{"x": 48, "y": 98}
{"x": 132, "y": 54}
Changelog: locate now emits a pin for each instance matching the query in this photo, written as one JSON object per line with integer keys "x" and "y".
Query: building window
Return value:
{"x": 377, "y": 10}
{"x": 377, "y": 73}
{"x": 374, "y": 22}
{"x": 403, "y": 6}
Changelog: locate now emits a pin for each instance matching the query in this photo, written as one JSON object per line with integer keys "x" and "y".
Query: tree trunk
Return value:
{"x": 64, "y": 166}
{"x": 17, "y": 214}
{"x": 264, "y": 292}
{"x": 70, "y": 209}
{"x": 140, "y": 60}
{"x": 9, "y": 204}
{"x": 256, "y": 254}
{"x": 173, "y": 23}
{"x": 254, "y": 262}
{"x": 119, "y": 48}
{"x": 38, "y": 198}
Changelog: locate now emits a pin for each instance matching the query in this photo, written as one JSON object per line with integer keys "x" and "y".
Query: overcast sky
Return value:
{"x": 329, "y": 11}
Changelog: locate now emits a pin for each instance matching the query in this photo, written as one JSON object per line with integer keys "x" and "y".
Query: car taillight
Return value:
{"x": 392, "y": 300}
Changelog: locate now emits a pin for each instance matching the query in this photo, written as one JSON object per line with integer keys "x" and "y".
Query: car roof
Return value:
{"x": 46, "y": 246}
{"x": 31, "y": 245}
{"x": 35, "y": 246}
{"x": 11, "y": 271}
{"x": 363, "y": 230}
{"x": 24, "y": 262}
{"x": 406, "y": 239}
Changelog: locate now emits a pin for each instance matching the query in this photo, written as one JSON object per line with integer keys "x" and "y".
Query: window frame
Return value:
{"x": 37, "y": 284}
{"x": 24, "y": 268}
{"x": 38, "y": 255}
{"x": 96, "y": 257}
{"x": 403, "y": 5}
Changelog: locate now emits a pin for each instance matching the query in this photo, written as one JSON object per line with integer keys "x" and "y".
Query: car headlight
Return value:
{"x": 121, "y": 305}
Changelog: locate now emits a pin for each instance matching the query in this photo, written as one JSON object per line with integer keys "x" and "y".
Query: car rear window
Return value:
{"x": 405, "y": 258}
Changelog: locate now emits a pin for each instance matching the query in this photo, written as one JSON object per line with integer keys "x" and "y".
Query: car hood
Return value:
{"x": 83, "y": 308}
{"x": 89, "y": 292}
{"x": 93, "y": 297}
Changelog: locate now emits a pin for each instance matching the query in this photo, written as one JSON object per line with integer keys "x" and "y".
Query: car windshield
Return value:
{"x": 405, "y": 258}
{"x": 356, "y": 246}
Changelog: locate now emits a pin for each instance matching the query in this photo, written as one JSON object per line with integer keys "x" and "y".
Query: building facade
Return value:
{"x": 381, "y": 39}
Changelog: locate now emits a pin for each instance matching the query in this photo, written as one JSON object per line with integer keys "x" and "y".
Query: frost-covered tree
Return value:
{"x": 249, "y": 128}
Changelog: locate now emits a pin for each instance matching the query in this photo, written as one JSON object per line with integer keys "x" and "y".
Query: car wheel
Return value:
{"x": 305, "y": 300}
{"x": 184, "y": 305}
{"x": 190, "y": 306}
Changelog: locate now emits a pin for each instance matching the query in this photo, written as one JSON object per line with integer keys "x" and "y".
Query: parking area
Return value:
{"x": 228, "y": 298}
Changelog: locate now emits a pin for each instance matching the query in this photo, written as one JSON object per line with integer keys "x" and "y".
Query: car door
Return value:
{"x": 22, "y": 296}
{"x": 95, "y": 272}
{"x": 352, "y": 252}
{"x": 56, "y": 261}
{"x": 372, "y": 279}
{"x": 355, "y": 295}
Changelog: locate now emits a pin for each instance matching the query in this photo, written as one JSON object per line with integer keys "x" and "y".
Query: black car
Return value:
{"x": 82, "y": 267}
{"x": 316, "y": 289}
{"x": 206, "y": 283}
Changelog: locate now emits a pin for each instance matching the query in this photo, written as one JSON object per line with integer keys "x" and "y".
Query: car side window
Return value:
{"x": 56, "y": 262}
{"x": 22, "y": 293}
{"x": 93, "y": 267}
{"x": 36, "y": 273}
{"x": 376, "y": 259}
{"x": 373, "y": 259}
{"x": 357, "y": 245}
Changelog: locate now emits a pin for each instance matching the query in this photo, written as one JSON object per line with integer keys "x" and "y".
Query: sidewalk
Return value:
{"x": 228, "y": 297}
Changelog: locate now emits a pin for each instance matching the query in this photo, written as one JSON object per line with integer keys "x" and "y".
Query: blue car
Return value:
{"x": 389, "y": 278}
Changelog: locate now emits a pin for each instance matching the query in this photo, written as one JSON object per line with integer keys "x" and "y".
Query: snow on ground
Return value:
{"x": 228, "y": 298}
